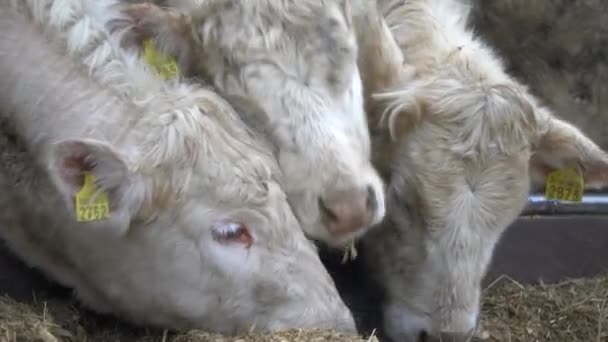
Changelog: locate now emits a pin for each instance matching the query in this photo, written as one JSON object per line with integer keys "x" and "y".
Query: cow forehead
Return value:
{"x": 314, "y": 33}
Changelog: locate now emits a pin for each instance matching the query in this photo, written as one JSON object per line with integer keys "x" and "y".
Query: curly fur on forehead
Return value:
{"x": 284, "y": 27}
{"x": 459, "y": 84}
{"x": 480, "y": 118}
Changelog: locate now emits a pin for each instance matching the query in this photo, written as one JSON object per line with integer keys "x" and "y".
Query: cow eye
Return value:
{"x": 227, "y": 232}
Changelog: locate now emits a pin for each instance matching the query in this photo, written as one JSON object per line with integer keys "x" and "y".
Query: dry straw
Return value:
{"x": 568, "y": 312}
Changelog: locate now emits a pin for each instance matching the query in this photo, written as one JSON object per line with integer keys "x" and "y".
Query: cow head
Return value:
{"x": 238, "y": 259}
{"x": 199, "y": 231}
{"x": 296, "y": 61}
{"x": 459, "y": 142}
{"x": 457, "y": 183}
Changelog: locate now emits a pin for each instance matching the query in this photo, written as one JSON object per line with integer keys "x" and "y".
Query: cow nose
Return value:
{"x": 346, "y": 211}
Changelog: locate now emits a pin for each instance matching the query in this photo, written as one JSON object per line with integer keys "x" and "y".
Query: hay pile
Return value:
{"x": 21, "y": 322}
{"x": 571, "y": 311}
{"x": 60, "y": 321}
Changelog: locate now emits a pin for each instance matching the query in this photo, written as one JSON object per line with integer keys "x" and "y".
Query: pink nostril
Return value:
{"x": 327, "y": 213}
{"x": 348, "y": 210}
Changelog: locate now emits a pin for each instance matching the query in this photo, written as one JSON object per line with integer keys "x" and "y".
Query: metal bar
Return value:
{"x": 592, "y": 204}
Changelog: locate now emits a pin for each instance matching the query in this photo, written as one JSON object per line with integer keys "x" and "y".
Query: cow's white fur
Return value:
{"x": 458, "y": 140}
{"x": 181, "y": 171}
{"x": 296, "y": 60}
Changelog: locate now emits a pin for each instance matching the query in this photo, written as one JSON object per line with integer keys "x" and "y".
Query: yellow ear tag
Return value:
{"x": 165, "y": 66}
{"x": 565, "y": 185}
{"x": 91, "y": 202}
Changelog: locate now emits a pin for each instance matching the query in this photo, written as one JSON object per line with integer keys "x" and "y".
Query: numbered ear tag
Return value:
{"x": 565, "y": 185}
{"x": 91, "y": 202}
{"x": 165, "y": 66}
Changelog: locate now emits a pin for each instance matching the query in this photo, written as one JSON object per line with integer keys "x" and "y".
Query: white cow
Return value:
{"x": 458, "y": 140}
{"x": 200, "y": 234}
{"x": 296, "y": 61}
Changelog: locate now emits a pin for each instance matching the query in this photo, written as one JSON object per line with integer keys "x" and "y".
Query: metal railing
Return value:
{"x": 593, "y": 203}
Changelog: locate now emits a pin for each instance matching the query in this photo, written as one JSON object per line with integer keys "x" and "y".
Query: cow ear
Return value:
{"x": 562, "y": 145}
{"x": 76, "y": 161}
{"x": 402, "y": 108}
{"x": 392, "y": 100}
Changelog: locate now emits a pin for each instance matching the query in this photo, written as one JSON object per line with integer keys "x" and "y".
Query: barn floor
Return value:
{"x": 570, "y": 311}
